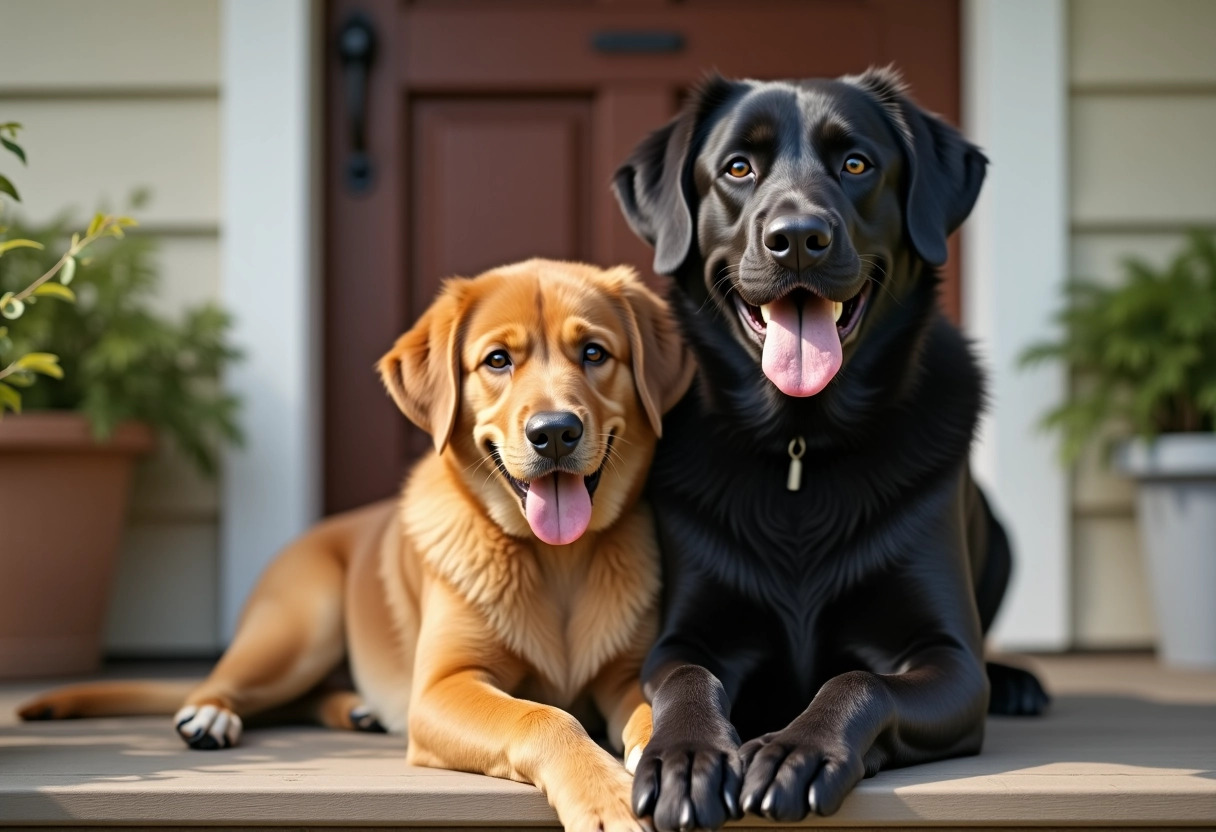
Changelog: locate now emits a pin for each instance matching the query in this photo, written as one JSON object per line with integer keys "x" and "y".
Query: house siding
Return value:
{"x": 117, "y": 96}
{"x": 1142, "y": 116}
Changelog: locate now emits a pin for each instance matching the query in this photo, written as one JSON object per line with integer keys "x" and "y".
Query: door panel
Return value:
{"x": 493, "y": 129}
{"x": 495, "y": 180}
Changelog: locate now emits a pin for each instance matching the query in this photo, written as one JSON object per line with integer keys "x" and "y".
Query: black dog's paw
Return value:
{"x": 685, "y": 785}
{"x": 789, "y": 775}
{"x": 1015, "y": 692}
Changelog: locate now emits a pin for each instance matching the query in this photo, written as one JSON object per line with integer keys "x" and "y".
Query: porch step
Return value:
{"x": 1127, "y": 743}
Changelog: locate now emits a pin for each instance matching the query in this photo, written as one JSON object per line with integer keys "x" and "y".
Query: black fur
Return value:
{"x": 865, "y": 593}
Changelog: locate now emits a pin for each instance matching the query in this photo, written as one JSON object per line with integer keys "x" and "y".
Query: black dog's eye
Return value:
{"x": 739, "y": 167}
{"x": 498, "y": 360}
{"x": 594, "y": 354}
{"x": 856, "y": 165}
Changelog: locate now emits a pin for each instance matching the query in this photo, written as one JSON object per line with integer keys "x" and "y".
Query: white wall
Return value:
{"x": 116, "y": 96}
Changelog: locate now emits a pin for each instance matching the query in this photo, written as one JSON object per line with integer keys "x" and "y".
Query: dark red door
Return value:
{"x": 492, "y": 128}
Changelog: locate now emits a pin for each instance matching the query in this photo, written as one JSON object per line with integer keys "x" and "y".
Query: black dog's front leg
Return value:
{"x": 690, "y": 772}
{"x": 860, "y": 722}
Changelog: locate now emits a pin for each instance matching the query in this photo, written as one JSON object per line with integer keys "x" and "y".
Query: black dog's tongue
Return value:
{"x": 801, "y": 344}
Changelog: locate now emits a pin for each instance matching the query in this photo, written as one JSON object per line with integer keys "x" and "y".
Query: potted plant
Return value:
{"x": 1144, "y": 357}
{"x": 116, "y": 374}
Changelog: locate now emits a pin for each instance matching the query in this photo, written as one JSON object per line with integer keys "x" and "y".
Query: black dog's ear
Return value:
{"x": 654, "y": 186}
{"x": 945, "y": 171}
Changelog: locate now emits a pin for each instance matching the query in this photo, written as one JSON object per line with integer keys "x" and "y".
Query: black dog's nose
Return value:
{"x": 797, "y": 241}
{"x": 554, "y": 433}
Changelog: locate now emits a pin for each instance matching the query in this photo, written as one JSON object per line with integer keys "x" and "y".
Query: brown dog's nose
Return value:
{"x": 798, "y": 241}
{"x": 554, "y": 433}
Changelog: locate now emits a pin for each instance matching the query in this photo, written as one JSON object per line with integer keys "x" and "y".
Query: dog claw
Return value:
{"x": 208, "y": 727}
{"x": 687, "y": 818}
{"x": 362, "y": 719}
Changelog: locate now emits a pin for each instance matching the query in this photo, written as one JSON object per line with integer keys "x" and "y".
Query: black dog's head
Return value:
{"x": 805, "y": 213}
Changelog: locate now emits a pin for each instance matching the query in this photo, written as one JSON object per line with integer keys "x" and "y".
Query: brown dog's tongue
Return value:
{"x": 801, "y": 346}
{"x": 558, "y": 508}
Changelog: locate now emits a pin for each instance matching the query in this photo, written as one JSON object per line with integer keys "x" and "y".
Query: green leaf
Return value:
{"x": 55, "y": 290}
{"x": 98, "y": 219}
{"x": 7, "y": 187}
{"x": 40, "y": 362}
{"x": 14, "y": 148}
{"x": 9, "y": 398}
{"x": 20, "y": 378}
{"x": 11, "y": 308}
{"x": 9, "y": 245}
{"x": 68, "y": 271}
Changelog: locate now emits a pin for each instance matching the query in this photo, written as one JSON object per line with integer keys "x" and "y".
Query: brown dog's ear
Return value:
{"x": 945, "y": 171}
{"x": 654, "y": 185}
{"x": 663, "y": 367}
{"x": 422, "y": 370}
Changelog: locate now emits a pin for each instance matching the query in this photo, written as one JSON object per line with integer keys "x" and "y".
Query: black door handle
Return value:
{"x": 635, "y": 42}
{"x": 357, "y": 49}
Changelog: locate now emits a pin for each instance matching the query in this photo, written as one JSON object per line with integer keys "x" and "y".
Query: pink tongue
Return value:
{"x": 558, "y": 508}
{"x": 801, "y": 352}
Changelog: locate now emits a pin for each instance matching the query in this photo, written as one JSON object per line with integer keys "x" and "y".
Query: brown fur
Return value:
{"x": 456, "y": 621}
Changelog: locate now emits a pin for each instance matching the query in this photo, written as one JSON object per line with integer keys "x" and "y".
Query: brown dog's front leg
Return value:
{"x": 464, "y": 722}
{"x": 618, "y": 695}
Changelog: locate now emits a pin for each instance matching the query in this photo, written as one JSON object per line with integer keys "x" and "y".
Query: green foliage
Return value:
{"x": 1143, "y": 353}
{"x": 21, "y": 369}
{"x": 118, "y": 358}
{"x": 9, "y": 129}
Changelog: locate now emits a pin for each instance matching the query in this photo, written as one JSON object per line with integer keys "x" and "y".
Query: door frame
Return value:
{"x": 271, "y": 489}
{"x": 1015, "y": 65}
{"x": 269, "y": 281}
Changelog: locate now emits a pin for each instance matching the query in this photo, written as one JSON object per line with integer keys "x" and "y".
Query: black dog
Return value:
{"x": 804, "y": 222}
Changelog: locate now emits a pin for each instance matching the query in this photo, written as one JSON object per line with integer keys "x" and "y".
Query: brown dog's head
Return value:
{"x": 544, "y": 384}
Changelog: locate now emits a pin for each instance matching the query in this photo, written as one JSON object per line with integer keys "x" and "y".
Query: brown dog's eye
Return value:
{"x": 594, "y": 354}
{"x": 739, "y": 167}
{"x": 856, "y": 165}
{"x": 498, "y": 360}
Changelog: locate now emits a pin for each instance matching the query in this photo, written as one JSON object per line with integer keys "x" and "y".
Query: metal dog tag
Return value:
{"x": 793, "y": 481}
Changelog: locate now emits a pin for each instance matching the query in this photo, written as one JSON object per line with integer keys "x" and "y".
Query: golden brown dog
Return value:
{"x": 518, "y": 567}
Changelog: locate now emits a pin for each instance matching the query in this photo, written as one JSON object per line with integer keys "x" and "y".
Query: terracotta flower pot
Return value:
{"x": 63, "y": 500}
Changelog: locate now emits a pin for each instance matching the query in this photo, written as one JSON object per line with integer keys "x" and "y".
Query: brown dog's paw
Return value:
{"x": 602, "y": 805}
{"x": 363, "y": 719}
{"x": 208, "y": 727}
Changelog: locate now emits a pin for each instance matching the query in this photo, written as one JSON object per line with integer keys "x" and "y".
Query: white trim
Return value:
{"x": 1015, "y": 80}
{"x": 271, "y": 486}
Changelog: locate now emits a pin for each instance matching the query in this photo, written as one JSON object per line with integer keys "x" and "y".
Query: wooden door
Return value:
{"x": 489, "y": 131}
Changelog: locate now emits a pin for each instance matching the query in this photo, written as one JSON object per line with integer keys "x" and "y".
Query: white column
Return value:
{"x": 270, "y": 487}
{"x": 1015, "y": 88}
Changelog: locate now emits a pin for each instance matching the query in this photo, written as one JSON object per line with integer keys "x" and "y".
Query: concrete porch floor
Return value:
{"x": 1127, "y": 743}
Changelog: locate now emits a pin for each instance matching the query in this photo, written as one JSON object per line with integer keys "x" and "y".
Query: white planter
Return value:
{"x": 1176, "y": 503}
